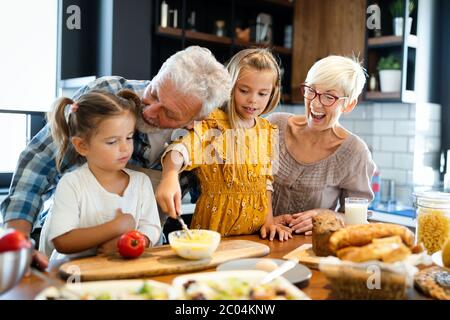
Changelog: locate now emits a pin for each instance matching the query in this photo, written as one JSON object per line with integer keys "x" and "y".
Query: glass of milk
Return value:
{"x": 356, "y": 211}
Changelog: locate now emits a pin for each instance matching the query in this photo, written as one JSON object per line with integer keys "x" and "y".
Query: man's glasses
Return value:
{"x": 326, "y": 99}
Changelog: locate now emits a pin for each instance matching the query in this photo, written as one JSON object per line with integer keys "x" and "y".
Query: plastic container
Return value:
{"x": 432, "y": 219}
{"x": 372, "y": 280}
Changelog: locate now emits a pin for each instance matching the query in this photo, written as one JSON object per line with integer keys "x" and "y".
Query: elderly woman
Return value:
{"x": 320, "y": 162}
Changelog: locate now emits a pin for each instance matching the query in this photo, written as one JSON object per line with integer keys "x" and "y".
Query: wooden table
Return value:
{"x": 317, "y": 287}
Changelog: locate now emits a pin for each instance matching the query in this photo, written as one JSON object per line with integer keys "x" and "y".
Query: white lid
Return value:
{"x": 432, "y": 199}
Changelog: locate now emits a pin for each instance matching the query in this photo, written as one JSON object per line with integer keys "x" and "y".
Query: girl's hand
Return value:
{"x": 124, "y": 222}
{"x": 284, "y": 233}
{"x": 108, "y": 247}
{"x": 302, "y": 221}
{"x": 168, "y": 195}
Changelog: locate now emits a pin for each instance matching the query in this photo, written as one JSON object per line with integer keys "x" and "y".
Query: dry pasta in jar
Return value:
{"x": 433, "y": 219}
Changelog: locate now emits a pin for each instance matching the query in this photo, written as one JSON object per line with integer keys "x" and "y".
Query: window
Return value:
{"x": 28, "y": 30}
{"x": 28, "y": 71}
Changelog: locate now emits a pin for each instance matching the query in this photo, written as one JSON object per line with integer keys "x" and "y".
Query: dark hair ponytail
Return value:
{"x": 132, "y": 98}
{"x": 59, "y": 127}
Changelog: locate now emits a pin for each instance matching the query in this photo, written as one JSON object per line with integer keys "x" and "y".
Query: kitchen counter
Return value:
{"x": 317, "y": 287}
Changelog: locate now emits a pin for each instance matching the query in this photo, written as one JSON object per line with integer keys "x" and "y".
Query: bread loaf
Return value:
{"x": 361, "y": 235}
{"x": 388, "y": 250}
{"x": 324, "y": 225}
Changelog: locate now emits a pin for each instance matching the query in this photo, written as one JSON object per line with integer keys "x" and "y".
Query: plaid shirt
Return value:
{"x": 36, "y": 175}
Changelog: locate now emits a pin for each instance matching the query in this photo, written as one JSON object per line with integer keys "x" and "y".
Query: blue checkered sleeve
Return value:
{"x": 36, "y": 175}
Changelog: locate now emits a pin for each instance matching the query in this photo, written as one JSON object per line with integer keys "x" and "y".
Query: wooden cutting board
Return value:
{"x": 157, "y": 261}
{"x": 304, "y": 255}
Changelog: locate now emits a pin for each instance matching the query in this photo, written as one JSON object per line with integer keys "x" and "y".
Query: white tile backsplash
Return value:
{"x": 348, "y": 124}
{"x": 396, "y": 174}
{"x": 395, "y": 111}
{"x": 363, "y": 127}
{"x": 383, "y": 159}
{"x": 404, "y": 161}
{"x": 376, "y": 142}
{"x": 383, "y": 127}
{"x": 412, "y": 111}
{"x": 411, "y": 144}
{"x": 404, "y": 139}
{"x": 360, "y": 112}
{"x": 398, "y": 144}
{"x": 405, "y": 128}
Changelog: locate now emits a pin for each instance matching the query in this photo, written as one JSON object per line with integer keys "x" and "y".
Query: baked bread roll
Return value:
{"x": 388, "y": 250}
{"x": 363, "y": 234}
{"x": 324, "y": 225}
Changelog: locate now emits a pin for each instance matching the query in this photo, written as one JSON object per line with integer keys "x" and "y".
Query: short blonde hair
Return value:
{"x": 260, "y": 59}
{"x": 340, "y": 72}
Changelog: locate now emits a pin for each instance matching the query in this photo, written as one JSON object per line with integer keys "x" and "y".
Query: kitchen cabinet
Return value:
{"x": 322, "y": 28}
{"x": 403, "y": 46}
{"x": 212, "y": 24}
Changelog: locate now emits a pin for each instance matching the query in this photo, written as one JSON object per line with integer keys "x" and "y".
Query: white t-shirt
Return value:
{"x": 80, "y": 202}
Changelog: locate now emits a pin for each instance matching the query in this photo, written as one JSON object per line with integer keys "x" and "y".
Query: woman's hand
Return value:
{"x": 168, "y": 195}
{"x": 271, "y": 229}
{"x": 301, "y": 222}
{"x": 283, "y": 219}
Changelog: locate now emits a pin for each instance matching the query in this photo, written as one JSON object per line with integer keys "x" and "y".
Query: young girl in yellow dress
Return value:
{"x": 231, "y": 152}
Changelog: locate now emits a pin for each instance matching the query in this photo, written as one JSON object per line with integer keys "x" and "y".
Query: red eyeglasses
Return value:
{"x": 326, "y": 99}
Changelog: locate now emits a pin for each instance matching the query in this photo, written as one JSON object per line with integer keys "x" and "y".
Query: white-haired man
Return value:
{"x": 189, "y": 85}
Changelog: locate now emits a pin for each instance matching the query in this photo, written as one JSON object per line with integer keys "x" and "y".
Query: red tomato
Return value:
{"x": 13, "y": 241}
{"x": 131, "y": 244}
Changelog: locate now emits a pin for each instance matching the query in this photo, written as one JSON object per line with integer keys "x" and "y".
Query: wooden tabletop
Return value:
{"x": 317, "y": 287}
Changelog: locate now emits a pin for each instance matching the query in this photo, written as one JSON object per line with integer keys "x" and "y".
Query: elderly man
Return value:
{"x": 189, "y": 85}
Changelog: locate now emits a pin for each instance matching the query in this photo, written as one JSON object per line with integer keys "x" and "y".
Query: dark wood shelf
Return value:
{"x": 284, "y": 3}
{"x": 211, "y": 38}
{"x": 278, "y": 49}
{"x": 193, "y": 35}
{"x": 391, "y": 41}
{"x": 408, "y": 96}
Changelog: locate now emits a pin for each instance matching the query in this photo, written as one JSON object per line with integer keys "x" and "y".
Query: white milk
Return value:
{"x": 355, "y": 213}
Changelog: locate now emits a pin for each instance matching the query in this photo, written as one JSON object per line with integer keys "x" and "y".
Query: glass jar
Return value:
{"x": 432, "y": 219}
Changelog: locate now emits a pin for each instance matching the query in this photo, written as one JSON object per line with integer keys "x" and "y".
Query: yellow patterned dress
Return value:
{"x": 234, "y": 169}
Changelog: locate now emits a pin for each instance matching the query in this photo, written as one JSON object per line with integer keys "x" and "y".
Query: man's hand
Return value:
{"x": 168, "y": 195}
{"x": 39, "y": 260}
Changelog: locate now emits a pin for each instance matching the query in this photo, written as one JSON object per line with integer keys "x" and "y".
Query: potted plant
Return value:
{"x": 389, "y": 69}
{"x": 397, "y": 12}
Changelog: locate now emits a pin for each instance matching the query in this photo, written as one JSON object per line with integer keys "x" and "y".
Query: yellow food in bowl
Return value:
{"x": 201, "y": 246}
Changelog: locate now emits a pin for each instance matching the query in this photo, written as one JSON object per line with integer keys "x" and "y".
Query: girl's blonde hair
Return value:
{"x": 84, "y": 117}
{"x": 339, "y": 72}
{"x": 260, "y": 59}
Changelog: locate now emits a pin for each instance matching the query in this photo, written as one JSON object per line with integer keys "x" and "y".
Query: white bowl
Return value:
{"x": 202, "y": 246}
{"x": 13, "y": 266}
